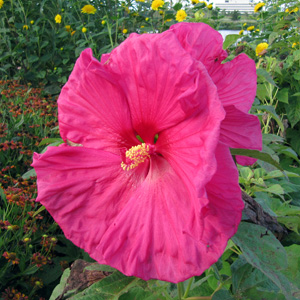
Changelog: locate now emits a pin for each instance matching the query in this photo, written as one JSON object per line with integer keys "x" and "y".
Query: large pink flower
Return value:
{"x": 235, "y": 81}
{"x": 164, "y": 208}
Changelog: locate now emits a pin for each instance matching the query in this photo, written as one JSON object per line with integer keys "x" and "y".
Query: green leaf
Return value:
{"x": 19, "y": 123}
{"x": 2, "y": 194}
{"x": 272, "y": 37}
{"x": 269, "y": 138}
{"x": 61, "y": 286}
{"x": 137, "y": 293}
{"x": 57, "y": 141}
{"x": 262, "y": 250}
{"x": 293, "y": 269}
{"x": 177, "y": 6}
{"x": 240, "y": 270}
{"x": 283, "y": 95}
{"x": 28, "y": 174}
{"x": 290, "y": 222}
{"x": 230, "y": 39}
{"x": 257, "y": 154}
{"x": 293, "y": 111}
{"x": 109, "y": 288}
{"x": 222, "y": 295}
{"x": 33, "y": 58}
{"x": 266, "y": 76}
{"x": 275, "y": 189}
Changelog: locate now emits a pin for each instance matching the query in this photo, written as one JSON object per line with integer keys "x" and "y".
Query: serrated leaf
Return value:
{"x": 263, "y": 251}
{"x": 293, "y": 111}
{"x": 257, "y": 154}
{"x": 230, "y": 39}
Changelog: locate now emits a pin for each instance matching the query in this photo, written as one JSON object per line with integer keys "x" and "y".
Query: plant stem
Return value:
{"x": 180, "y": 290}
{"x": 188, "y": 287}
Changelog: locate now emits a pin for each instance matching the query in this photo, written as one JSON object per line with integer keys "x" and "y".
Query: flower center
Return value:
{"x": 136, "y": 155}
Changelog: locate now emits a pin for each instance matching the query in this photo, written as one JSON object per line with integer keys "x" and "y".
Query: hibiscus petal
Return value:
{"x": 241, "y": 130}
{"x": 160, "y": 79}
{"x": 83, "y": 189}
{"x": 236, "y": 82}
{"x": 158, "y": 234}
{"x": 189, "y": 146}
{"x": 236, "y": 79}
{"x": 92, "y": 109}
{"x": 224, "y": 210}
{"x": 202, "y": 42}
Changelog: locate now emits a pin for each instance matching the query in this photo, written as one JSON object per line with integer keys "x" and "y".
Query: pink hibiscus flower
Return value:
{"x": 163, "y": 208}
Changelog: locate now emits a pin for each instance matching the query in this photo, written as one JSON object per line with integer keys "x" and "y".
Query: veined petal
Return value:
{"x": 190, "y": 145}
{"x": 160, "y": 80}
{"x": 158, "y": 234}
{"x": 241, "y": 130}
{"x": 202, "y": 42}
{"x": 235, "y": 80}
{"x": 84, "y": 190}
{"x": 92, "y": 109}
{"x": 224, "y": 210}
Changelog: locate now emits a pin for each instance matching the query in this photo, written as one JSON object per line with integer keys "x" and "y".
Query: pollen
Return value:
{"x": 135, "y": 156}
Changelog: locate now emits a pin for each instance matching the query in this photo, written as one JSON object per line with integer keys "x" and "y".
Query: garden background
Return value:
{"x": 39, "y": 44}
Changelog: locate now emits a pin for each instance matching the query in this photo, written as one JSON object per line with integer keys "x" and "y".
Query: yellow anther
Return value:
{"x": 135, "y": 155}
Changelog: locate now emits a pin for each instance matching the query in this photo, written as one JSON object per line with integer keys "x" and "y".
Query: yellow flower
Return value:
{"x": 147, "y": 19}
{"x": 287, "y": 10}
{"x": 68, "y": 28}
{"x": 58, "y": 19}
{"x": 140, "y": 0}
{"x": 260, "y": 49}
{"x": 244, "y": 24}
{"x": 62, "y": 48}
{"x": 103, "y": 22}
{"x": 241, "y": 32}
{"x": 168, "y": 20}
{"x": 258, "y": 7}
{"x": 142, "y": 26}
{"x": 257, "y": 30}
{"x": 73, "y": 32}
{"x": 156, "y": 4}
{"x": 31, "y": 22}
{"x": 210, "y": 6}
{"x": 295, "y": 44}
{"x": 83, "y": 29}
{"x": 25, "y": 27}
{"x": 181, "y": 15}
{"x": 195, "y": 1}
{"x": 88, "y": 9}
{"x": 294, "y": 10}
{"x": 1, "y": 3}
{"x": 125, "y": 31}
{"x": 250, "y": 28}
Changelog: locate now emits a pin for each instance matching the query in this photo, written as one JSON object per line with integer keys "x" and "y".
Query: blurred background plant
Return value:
{"x": 39, "y": 44}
